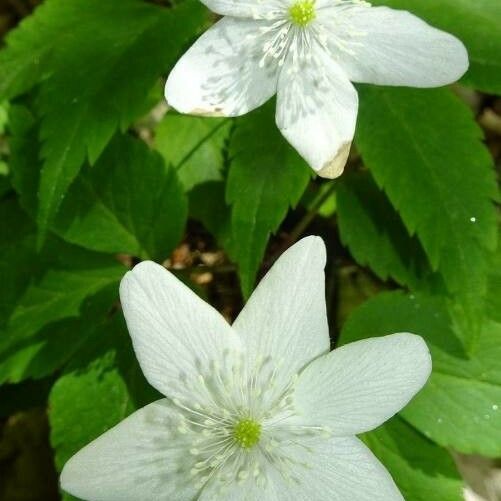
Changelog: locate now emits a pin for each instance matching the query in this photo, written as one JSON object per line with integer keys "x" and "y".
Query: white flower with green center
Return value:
{"x": 307, "y": 52}
{"x": 259, "y": 410}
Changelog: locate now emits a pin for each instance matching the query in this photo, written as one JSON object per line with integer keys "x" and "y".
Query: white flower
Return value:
{"x": 259, "y": 410}
{"x": 307, "y": 52}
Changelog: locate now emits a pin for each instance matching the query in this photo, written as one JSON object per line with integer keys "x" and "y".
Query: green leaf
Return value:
{"x": 207, "y": 205}
{"x": 18, "y": 263}
{"x": 129, "y": 202}
{"x": 266, "y": 178}
{"x": 439, "y": 177}
{"x": 476, "y": 23}
{"x": 4, "y": 116}
{"x": 493, "y": 298}
{"x": 47, "y": 287}
{"x": 99, "y": 72}
{"x": 422, "y": 470}
{"x": 375, "y": 234}
{"x": 194, "y": 146}
{"x": 59, "y": 343}
{"x": 59, "y": 292}
{"x": 460, "y": 407}
{"x": 84, "y": 404}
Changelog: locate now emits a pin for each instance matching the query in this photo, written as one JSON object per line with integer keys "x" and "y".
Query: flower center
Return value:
{"x": 302, "y": 12}
{"x": 247, "y": 433}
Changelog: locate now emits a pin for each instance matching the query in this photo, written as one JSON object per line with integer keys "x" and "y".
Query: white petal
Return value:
{"x": 174, "y": 333}
{"x": 357, "y": 387}
{"x": 143, "y": 457}
{"x": 285, "y": 317}
{"x": 252, "y": 9}
{"x": 220, "y": 74}
{"x": 317, "y": 111}
{"x": 384, "y": 46}
{"x": 338, "y": 469}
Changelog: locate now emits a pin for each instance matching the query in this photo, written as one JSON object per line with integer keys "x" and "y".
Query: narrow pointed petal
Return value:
{"x": 317, "y": 111}
{"x": 384, "y": 46}
{"x": 174, "y": 333}
{"x": 252, "y": 9}
{"x": 357, "y": 387}
{"x": 143, "y": 457}
{"x": 285, "y": 318}
{"x": 336, "y": 469}
{"x": 339, "y": 469}
{"x": 221, "y": 75}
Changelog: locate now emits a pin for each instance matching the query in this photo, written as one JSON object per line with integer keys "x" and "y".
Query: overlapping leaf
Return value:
{"x": 266, "y": 178}
{"x": 424, "y": 149}
{"x": 193, "y": 146}
{"x": 97, "y": 61}
{"x": 44, "y": 289}
{"x": 375, "y": 234}
{"x": 422, "y": 470}
{"x": 129, "y": 202}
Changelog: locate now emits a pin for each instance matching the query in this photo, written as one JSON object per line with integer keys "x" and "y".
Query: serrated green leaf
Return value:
{"x": 460, "y": 407}
{"x": 429, "y": 159}
{"x": 207, "y": 205}
{"x": 129, "y": 202}
{"x": 100, "y": 75}
{"x": 4, "y": 116}
{"x": 493, "y": 297}
{"x": 266, "y": 178}
{"x": 422, "y": 470}
{"x": 59, "y": 343}
{"x": 84, "y": 404}
{"x": 375, "y": 234}
{"x": 46, "y": 287}
{"x": 476, "y": 23}
{"x": 17, "y": 264}
{"x": 193, "y": 146}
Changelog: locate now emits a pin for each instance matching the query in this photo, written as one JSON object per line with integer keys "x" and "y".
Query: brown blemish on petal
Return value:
{"x": 335, "y": 167}
{"x": 216, "y": 112}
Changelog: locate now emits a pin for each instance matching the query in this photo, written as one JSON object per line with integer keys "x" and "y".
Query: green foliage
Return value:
{"x": 422, "y": 470}
{"x": 477, "y": 24}
{"x": 82, "y": 97}
{"x": 75, "y": 417}
{"x": 460, "y": 407}
{"x": 128, "y": 202}
{"x": 93, "y": 179}
{"x": 266, "y": 178}
{"x": 440, "y": 179}
{"x": 45, "y": 289}
{"x": 193, "y": 146}
{"x": 375, "y": 234}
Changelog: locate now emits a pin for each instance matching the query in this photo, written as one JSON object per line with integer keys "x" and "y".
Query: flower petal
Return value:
{"x": 221, "y": 75}
{"x": 143, "y": 457}
{"x": 246, "y": 8}
{"x": 174, "y": 333}
{"x": 285, "y": 318}
{"x": 357, "y": 387}
{"x": 339, "y": 469}
{"x": 317, "y": 111}
{"x": 336, "y": 469}
{"x": 384, "y": 46}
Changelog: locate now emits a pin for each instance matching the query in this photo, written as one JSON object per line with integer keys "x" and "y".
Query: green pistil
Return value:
{"x": 302, "y": 12}
{"x": 247, "y": 433}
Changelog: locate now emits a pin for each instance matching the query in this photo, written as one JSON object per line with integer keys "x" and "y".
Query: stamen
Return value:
{"x": 247, "y": 433}
{"x": 302, "y": 13}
